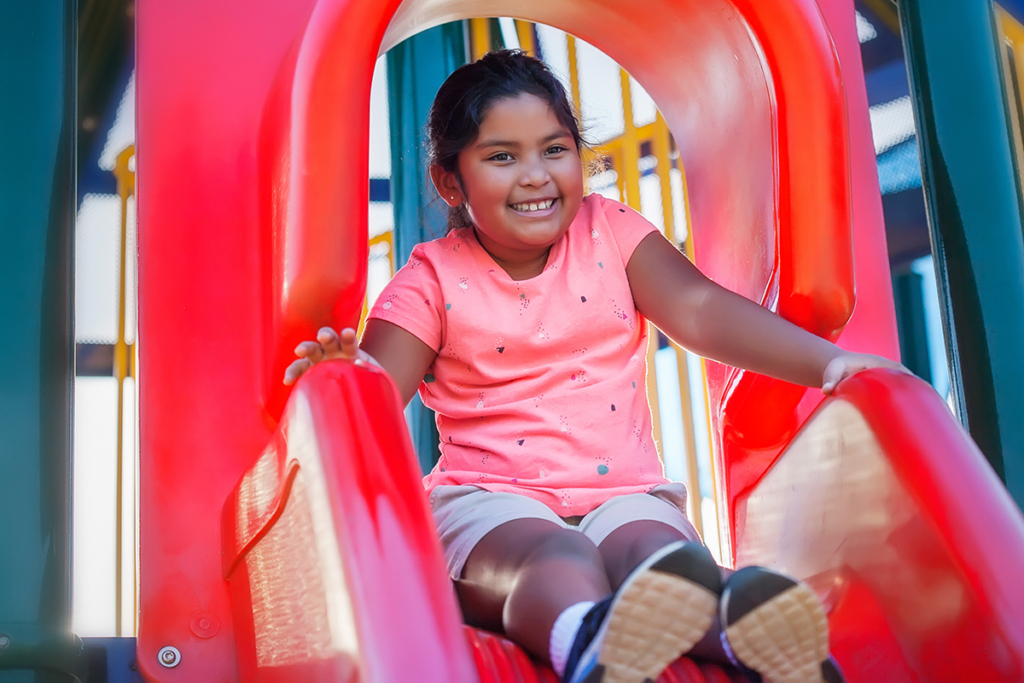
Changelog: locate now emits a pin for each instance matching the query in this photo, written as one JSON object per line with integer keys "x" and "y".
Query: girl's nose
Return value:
{"x": 535, "y": 174}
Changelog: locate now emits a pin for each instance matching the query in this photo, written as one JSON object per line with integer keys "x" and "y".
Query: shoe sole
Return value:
{"x": 657, "y": 617}
{"x": 784, "y": 638}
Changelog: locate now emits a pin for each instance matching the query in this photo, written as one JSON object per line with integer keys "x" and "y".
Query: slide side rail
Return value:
{"x": 885, "y": 505}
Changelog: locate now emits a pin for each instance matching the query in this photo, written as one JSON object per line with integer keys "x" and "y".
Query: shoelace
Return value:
{"x": 589, "y": 627}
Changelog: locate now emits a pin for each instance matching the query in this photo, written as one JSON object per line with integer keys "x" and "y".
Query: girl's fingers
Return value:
{"x": 296, "y": 370}
{"x": 310, "y": 350}
{"x": 328, "y": 339}
{"x": 328, "y": 345}
{"x": 834, "y": 372}
{"x": 841, "y": 367}
{"x": 349, "y": 343}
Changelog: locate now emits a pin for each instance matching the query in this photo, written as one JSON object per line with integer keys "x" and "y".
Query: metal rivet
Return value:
{"x": 169, "y": 657}
{"x": 5, "y": 640}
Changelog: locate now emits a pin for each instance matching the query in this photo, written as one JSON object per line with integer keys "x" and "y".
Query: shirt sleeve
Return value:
{"x": 628, "y": 227}
{"x": 412, "y": 300}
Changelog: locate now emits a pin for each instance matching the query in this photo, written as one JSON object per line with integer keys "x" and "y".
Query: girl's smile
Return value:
{"x": 522, "y": 180}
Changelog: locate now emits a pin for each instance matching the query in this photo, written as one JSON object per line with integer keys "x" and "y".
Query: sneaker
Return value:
{"x": 776, "y": 627}
{"x": 660, "y": 612}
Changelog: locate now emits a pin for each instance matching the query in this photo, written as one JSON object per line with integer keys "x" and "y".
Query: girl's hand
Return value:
{"x": 846, "y": 364}
{"x": 328, "y": 346}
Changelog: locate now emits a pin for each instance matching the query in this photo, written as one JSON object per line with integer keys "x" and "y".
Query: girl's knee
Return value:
{"x": 565, "y": 544}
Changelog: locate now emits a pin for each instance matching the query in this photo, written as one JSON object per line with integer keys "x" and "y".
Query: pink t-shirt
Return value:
{"x": 538, "y": 384}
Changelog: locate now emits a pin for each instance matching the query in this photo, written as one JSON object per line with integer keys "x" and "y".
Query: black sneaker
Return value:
{"x": 776, "y": 627}
{"x": 658, "y": 614}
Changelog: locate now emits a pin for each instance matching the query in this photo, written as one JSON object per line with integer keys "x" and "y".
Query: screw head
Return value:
{"x": 169, "y": 657}
{"x": 5, "y": 640}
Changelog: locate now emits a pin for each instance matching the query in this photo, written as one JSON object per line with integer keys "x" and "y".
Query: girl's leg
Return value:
{"x": 523, "y": 574}
{"x": 629, "y": 545}
{"x": 755, "y": 589}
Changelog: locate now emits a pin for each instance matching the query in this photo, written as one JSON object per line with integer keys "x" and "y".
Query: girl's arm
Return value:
{"x": 401, "y": 354}
{"x": 715, "y": 323}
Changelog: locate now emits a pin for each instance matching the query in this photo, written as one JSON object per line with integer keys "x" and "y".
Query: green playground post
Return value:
{"x": 416, "y": 68}
{"x": 37, "y": 208}
{"x": 974, "y": 214}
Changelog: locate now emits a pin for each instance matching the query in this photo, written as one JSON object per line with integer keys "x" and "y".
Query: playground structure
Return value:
{"x": 285, "y": 537}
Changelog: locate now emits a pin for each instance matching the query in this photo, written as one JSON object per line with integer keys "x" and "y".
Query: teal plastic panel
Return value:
{"x": 416, "y": 69}
{"x": 37, "y": 206}
{"x": 974, "y": 214}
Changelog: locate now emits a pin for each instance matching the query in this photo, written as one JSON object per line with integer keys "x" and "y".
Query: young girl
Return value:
{"x": 525, "y": 330}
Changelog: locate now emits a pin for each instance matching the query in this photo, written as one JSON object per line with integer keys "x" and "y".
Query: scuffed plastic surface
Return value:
{"x": 885, "y": 505}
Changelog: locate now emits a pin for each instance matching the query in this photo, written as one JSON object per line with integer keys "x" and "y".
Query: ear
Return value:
{"x": 446, "y": 184}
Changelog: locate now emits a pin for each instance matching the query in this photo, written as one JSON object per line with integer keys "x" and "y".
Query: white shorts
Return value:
{"x": 465, "y": 514}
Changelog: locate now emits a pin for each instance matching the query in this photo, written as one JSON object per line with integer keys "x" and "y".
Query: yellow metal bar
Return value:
{"x": 385, "y": 238}
{"x": 646, "y": 132}
{"x": 122, "y": 365}
{"x": 724, "y": 539}
{"x": 1012, "y": 35}
{"x": 687, "y": 245}
{"x": 574, "y": 74}
{"x": 620, "y": 178}
{"x": 630, "y": 147}
{"x": 652, "y": 386}
{"x": 689, "y": 437}
{"x": 524, "y": 30}
{"x": 886, "y": 11}
{"x": 388, "y": 238}
{"x": 660, "y": 145}
{"x": 480, "y": 37}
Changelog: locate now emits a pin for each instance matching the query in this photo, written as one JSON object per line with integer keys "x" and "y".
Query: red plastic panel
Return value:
{"x": 335, "y": 569}
{"x": 755, "y": 415}
{"x": 886, "y": 506}
{"x": 252, "y": 195}
{"x": 204, "y": 69}
{"x": 313, "y": 155}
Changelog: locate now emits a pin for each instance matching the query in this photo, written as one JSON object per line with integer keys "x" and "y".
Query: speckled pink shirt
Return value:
{"x": 539, "y": 384}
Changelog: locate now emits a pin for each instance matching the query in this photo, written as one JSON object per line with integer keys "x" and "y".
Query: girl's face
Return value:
{"x": 521, "y": 178}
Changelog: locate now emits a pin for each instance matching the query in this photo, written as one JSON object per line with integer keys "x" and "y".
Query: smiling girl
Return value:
{"x": 525, "y": 330}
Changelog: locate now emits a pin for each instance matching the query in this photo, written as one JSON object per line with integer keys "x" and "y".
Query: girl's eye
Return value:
{"x": 557, "y": 149}
{"x": 501, "y": 156}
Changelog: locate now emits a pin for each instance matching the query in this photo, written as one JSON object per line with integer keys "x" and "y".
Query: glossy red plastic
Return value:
{"x": 252, "y": 188}
{"x": 885, "y": 505}
{"x": 335, "y": 571}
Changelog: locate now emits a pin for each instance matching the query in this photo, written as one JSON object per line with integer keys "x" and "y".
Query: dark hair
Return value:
{"x": 465, "y": 97}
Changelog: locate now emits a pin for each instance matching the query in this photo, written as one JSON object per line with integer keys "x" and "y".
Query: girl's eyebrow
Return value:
{"x": 511, "y": 143}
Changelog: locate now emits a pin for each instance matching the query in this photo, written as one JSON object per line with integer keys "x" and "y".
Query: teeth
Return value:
{"x": 534, "y": 206}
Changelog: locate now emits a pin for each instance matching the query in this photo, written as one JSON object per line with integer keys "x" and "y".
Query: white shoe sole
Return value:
{"x": 785, "y": 639}
{"x": 657, "y": 616}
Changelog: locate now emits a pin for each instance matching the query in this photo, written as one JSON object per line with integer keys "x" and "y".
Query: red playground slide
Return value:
{"x": 285, "y": 536}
